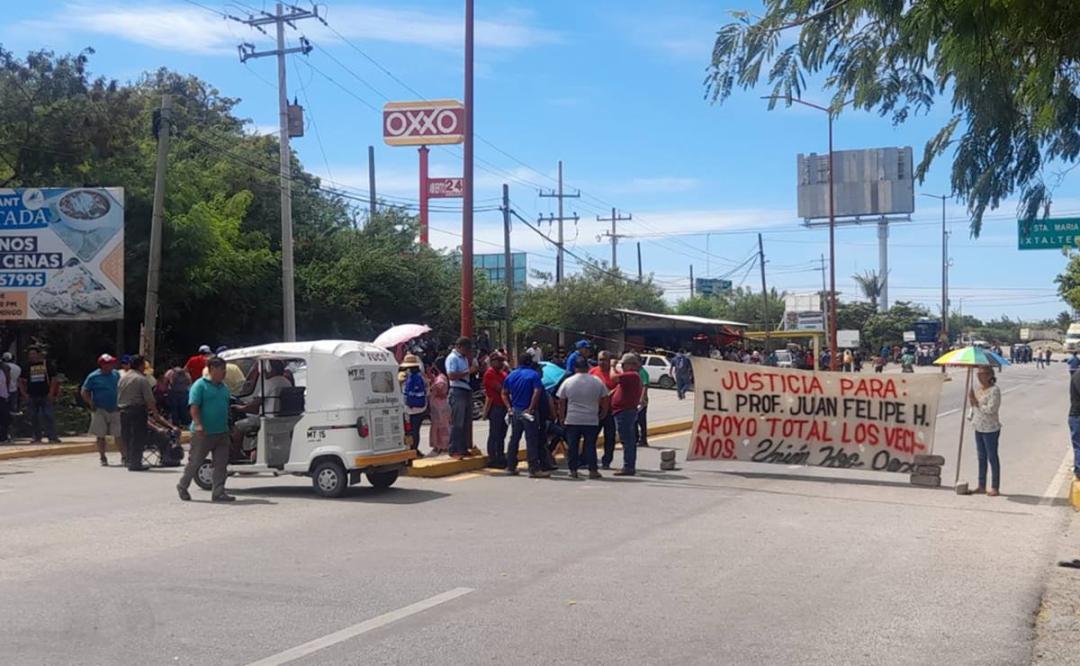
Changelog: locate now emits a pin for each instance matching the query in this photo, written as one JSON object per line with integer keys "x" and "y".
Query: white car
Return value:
{"x": 661, "y": 372}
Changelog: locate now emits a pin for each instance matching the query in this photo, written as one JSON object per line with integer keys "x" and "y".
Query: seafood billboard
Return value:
{"x": 62, "y": 254}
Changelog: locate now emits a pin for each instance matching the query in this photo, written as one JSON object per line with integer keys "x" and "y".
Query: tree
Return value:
{"x": 887, "y": 328}
{"x": 1068, "y": 283}
{"x": 1064, "y": 320}
{"x": 853, "y": 316}
{"x": 871, "y": 284}
{"x": 1008, "y": 66}
{"x": 741, "y": 304}
{"x": 583, "y": 304}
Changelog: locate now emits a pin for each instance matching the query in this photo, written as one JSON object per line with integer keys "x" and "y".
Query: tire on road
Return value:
{"x": 329, "y": 478}
{"x": 666, "y": 382}
{"x": 382, "y": 480}
{"x": 204, "y": 476}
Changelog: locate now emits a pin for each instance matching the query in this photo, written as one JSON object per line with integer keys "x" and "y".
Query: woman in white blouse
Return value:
{"x": 985, "y": 402}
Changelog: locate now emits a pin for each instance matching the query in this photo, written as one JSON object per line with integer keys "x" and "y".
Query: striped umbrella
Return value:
{"x": 971, "y": 357}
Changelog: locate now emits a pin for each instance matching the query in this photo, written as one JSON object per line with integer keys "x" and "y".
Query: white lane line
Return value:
{"x": 1053, "y": 490}
{"x": 950, "y": 412}
{"x": 361, "y": 628}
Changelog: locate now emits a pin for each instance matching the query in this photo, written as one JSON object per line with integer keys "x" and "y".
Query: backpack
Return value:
{"x": 415, "y": 390}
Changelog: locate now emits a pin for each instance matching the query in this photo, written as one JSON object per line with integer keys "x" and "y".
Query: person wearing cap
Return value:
{"x": 125, "y": 364}
{"x": 197, "y": 363}
{"x": 495, "y": 410}
{"x": 39, "y": 385}
{"x": 99, "y": 392}
{"x": 135, "y": 398}
{"x": 14, "y": 371}
{"x": 209, "y": 401}
{"x": 624, "y": 405}
{"x": 582, "y": 349}
{"x": 415, "y": 389}
{"x": 459, "y": 366}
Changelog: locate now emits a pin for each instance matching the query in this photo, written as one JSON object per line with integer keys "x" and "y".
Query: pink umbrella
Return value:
{"x": 396, "y": 335}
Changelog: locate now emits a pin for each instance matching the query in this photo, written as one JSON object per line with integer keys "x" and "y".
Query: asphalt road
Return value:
{"x": 713, "y": 563}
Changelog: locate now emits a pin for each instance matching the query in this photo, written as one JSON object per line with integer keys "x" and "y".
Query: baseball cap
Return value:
{"x": 221, "y": 349}
{"x": 7, "y": 357}
{"x": 125, "y": 359}
{"x": 582, "y": 344}
{"x": 205, "y": 349}
{"x": 106, "y": 359}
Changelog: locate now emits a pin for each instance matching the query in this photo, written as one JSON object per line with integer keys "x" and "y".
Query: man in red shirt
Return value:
{"x": 624, "y": 404}
{"x": 197, "y": 363}
{"x": 495, "y": 411}
{"x": 602, "y": 371}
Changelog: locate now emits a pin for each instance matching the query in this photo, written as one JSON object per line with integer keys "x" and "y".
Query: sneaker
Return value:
{"x": 104, "y": 461}
{"x": 512, "y": 472}
{"x": 593, "y": 474}
{"x": 55, "y": 440}
{"x": 605, "y": 466}
{"x": 183, "y": 493}
{"x": 574, "y": 474}
{"x": 223, "y": 498}
{"x": 138, "y": 468}
{"x": 542, "y": 474}
{"x": 624, "y": 472}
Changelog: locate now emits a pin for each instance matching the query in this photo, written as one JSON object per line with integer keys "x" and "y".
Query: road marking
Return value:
{"x": 673, "y": 435}
{"x": 463, "y": 477}
{"x": 361, "y": 628}
{"x": 950, "y": 412}
{"x": 1053, "y": 490}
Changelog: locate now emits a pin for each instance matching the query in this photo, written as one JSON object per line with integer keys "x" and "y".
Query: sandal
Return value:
{"x": 993, "y": 492}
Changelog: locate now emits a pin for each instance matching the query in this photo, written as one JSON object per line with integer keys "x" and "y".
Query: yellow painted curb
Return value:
{"x": 432, "y": 468}
{"x": 45, "y": 450}
{"x": 1075, "y": 494}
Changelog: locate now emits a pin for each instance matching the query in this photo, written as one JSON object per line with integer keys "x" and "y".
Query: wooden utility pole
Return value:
{"x": 560, "y": 269}
{"x": 153, "y": 273}
{"x": 371, "y": 179}
{"x": 614, "y": 235}
{"x": 467, "y": 176}
{"x": 640, "y": 273}
{"x": 764, "y": 296}
{"x": 691, "y": 280}
{"x": 508, "y": 269}
{"x": 247, "y": 51}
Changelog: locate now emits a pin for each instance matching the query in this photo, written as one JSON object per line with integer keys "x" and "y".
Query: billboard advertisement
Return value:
{"x": 872, "y": 183}
{"x": 62, "y": 254}
{"x": 429, "y": 123}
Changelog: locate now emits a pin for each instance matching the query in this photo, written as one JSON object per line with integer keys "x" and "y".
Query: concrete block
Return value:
{"x": 928, "y": 459}
{"x": 667, "y": 465}
{"x": 928, "y": 470}
{"x": 925, "y": 480}
{"x": 962, "y": 489}
{"x": 667, "y": 454}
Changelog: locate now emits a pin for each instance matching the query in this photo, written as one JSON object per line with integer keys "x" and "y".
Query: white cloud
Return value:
{"x": 189, "y": 29}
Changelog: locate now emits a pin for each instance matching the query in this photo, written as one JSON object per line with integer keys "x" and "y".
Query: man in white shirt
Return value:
{"x": 536, "y": 352}
{"x": 14, "y": 372}
{"x": 583, "y": 402}
{"x": 266, "y": 400}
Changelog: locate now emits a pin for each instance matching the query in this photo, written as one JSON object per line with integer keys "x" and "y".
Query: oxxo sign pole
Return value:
{"x": 467, "y": 202}
{"x": 423, "y": 195}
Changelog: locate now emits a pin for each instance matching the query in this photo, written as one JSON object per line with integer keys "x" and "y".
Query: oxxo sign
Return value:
{"x": 435, "y": 122}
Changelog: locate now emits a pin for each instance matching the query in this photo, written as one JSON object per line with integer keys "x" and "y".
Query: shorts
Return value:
{"x": 247, "y": 424}
{"x": 103, "y": 423}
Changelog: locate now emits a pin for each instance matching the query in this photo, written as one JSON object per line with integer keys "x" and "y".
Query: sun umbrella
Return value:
{"x": 551, "y": 374}
{"x": 969, "y": 357}
{"x": 395, "y": 335}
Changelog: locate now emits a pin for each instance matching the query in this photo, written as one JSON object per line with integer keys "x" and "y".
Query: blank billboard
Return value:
{"x": 871, "y": 182}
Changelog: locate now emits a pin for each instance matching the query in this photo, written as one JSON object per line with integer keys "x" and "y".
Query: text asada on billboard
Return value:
{"x": 761, "y": 414}
{"x": 62, "y": 253}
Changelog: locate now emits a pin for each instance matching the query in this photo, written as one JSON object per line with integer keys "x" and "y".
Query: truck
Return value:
{"x": 1072, "y": 338}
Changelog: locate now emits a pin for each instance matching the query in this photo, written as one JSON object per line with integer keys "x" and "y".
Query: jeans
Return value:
{"x": 641, "y": 426}
{"x": 682, "y": 385}
{"x": 41, "y": 409}
{"x": 179, "y": 413}
{"x": 574, "y": 435}
{"x": 625, "y": 423}
{"x": 607, "y": 426}
{"x": 134, "y": 433}
{"x": 987, "y": 445}
{"x": 415, "y": 421}
{"x": 5, "y": 421}
{"x": 496, "y": 443}
{"x": 460, "y": 418}
{"x": 1074, "y": 433}
{"x": 202, "y": 444}
{"x": 531, "y": 429}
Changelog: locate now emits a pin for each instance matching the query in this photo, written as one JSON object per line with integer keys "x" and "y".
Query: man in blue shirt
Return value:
{"x": 459, "y": 366}
{"x": 99, "y": 391}
{"x": 209, "y": 402}
{"x": 582, "y": 348}
{"x": 522, "y": 391}
{"x": 1074, "y": 363}
{"x": 684, "y": 373}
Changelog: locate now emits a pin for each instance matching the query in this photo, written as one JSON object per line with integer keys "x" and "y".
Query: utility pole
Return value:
{"x": 508, "y": 269}
{"x": 613, "y": 234}
{"x": 764, "y": 296}
{"x": 560, "y": 195}
{"x": 371, "y": 178}
{"x": 691, "y": 280}
{"x": 944, "y": 272}
{"x": 247, "y": 51}
{"x": 153, "y": 273}
{"x": 640, "y": 273}
{"x": 824, "y": 295}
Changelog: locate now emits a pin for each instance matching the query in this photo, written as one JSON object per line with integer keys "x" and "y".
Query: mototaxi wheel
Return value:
{"x": 329, "y": 479}
{"x": 383, "y": 479}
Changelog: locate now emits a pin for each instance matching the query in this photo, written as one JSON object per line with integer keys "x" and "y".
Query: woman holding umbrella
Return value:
{"x": 985, "y": 403}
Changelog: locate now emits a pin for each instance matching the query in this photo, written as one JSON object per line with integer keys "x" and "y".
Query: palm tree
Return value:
{"x": 871, "y": 285}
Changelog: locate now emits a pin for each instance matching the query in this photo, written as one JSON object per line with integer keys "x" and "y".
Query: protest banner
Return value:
{"x": 753, "y": 413}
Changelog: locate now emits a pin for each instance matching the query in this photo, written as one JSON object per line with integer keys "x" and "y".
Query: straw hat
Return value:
{"x": 410, "y": 361}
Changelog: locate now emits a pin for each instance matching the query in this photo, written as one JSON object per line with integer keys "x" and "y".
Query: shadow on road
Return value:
{"x": 1032, "y": 500}
{"x": 820, "y": 479}
{"x": 367, "y": 495}
{"x": 16, "y": 471}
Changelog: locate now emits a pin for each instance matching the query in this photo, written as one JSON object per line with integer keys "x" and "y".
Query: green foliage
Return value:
{"x": 741, "y": 304}
{"x": 854, "y": 316}
{"x": 887, "y": 328}
{"x": 1008, "y": 65}
{"x": 1063, "y": 321}
{"x": 871, "y": 284}
{"x": 1068, "y": 283}
{"x": 583, "y": 303}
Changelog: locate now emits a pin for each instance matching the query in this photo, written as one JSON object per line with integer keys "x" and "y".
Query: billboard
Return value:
{"x": 871, "y": 182}
{"x": 446, "y": 188}
{"x": 493, "y": 264}
{"x": 1048, "y": 234}
{"x": 847, "y": 339}
{"x": 429, "y": 123}
{"x": 62, "y": 254}
{"x": 711, "y": 286}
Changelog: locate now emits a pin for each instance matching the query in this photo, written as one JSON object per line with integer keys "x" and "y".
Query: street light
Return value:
{"x": 832, "y": 221}
{"x": 944, "y": 272}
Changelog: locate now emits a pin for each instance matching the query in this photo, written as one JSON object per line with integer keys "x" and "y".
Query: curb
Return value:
{"x": 427, "y": 468}
{"x": 69, "y": 449}
{"x": 1074, "y": 494}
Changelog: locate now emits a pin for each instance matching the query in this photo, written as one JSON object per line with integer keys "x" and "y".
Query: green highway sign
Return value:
{"x": 1048, "y": 234}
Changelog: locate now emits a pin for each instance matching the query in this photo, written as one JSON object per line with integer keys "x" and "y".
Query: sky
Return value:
{"x": 615, "y": 90}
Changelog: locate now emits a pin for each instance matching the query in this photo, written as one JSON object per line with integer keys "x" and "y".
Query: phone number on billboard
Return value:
{"x": 8, "y": 280}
